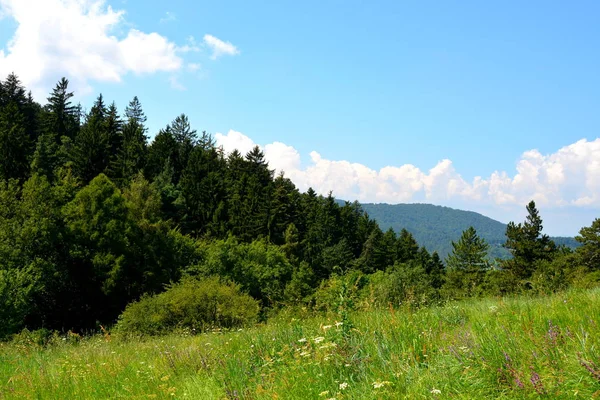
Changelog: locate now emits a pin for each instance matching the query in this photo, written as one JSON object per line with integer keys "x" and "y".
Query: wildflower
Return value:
{"x": 304, "y": 354}
{"x": 380, "y": 384}
{"x": 338, "y": 324}
{"x": 324, "y": 393}
{"x": 435, "y": 391}
{"x": 303, "y": 340}
{"x": 325, "y": 327}
{"x": 343, "y": 385}
{"x": 319, "y": 339}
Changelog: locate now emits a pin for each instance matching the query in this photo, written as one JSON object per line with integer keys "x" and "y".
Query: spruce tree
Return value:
{"x": 527, "y": 244}
{"x": 466, "y": 265}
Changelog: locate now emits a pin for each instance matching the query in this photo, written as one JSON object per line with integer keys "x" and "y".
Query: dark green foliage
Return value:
{"x": 90, "y": 153}
{"x": 466, "y": 266}
{"x": 61, "y": 118}
{"x": 128, "y": 143}
{"x": 435, "y": 227}
{"x": 262, "y": 269}
{"x": 196, "y": 305}
{"x": 17, "y": 130}
{"x": 527, "y": 245}
{"x": 93, "y": 218}
{"x": 589, "y": 252}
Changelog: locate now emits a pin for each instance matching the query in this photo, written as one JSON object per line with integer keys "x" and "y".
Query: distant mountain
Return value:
{"x": 435, "y": 227}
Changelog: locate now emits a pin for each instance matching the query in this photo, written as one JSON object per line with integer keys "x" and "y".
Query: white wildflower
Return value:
{"x": 343, "y": 385}
{"x": 319, "y": 339}
{"x": 325, "y": 327}
{"x": 303, "y": 340}
{"x": 338, "y": 324}
{"x": 436, "y": 391}
{"x": 380, "y": 384}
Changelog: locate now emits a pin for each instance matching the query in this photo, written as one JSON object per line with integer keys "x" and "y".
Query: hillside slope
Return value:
{"x": 435, "y": 227}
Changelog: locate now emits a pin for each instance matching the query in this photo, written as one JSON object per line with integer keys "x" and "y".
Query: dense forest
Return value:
{"x": 436, "y": 227}
{"x": 94, "y": 216}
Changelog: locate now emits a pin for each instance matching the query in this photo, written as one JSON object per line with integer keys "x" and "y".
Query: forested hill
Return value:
{"x": 94, "y": 217}
{"x": 435, "y": 227}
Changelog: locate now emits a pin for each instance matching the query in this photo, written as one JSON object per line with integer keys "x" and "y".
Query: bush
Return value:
{"x": 403, "y": 284}
{"x": 340, "y": 291}
{"x": 262, "y": 269}
{"x": 197, "y": 305}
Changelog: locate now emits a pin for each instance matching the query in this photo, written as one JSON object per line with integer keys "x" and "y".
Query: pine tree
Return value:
{"x": 163, "y": 149}
{"x": 589, "y": 252}
{"x": 16, "y": 130}
{"x": 527, "y": 244}
{"x": 61, "y": 117}
{"x": 466, "y": 265}
{"x": 132, "y": 154}
{"x": 407, "y": 247}
{"x": 91, "y": 151}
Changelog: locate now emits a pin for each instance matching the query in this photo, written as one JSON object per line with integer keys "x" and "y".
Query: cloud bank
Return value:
{"x": 86, "y": 41}
{"x": 570, "y": 177}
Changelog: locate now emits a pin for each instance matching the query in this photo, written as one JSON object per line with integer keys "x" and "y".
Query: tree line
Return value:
{"x": 93, "y": 216}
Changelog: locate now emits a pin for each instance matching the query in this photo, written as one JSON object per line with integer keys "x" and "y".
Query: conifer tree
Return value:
{"x": 466, "y": 265}
{"x": 527, "y": 244}
{"x": 91, "y": 151}
{"x": 61, "y": 116}
{"x": 132, "y": 154}
{"x": 407, "y": 248}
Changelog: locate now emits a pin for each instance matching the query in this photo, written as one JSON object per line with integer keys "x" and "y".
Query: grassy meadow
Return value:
{"x": 545, "y": 347}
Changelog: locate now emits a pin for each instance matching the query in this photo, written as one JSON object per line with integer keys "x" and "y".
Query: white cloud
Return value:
{"x": 569, "y": 177}
{"x": 219, "y": 48}
{"x": 84, "y": 40}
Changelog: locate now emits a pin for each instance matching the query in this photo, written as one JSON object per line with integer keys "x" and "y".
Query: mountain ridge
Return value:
{"x": 435, "y": 227}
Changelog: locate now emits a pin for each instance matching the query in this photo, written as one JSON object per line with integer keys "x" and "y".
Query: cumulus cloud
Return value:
{"x": 569, "y": 177}
{"x": 219, "y": 48}
{"x": 85, "y": 40}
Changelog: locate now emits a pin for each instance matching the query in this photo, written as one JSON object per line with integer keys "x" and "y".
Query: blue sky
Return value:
{"x": 365, "y": 84}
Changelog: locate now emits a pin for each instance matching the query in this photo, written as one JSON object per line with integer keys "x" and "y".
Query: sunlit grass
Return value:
{"x": 512, "y": 348}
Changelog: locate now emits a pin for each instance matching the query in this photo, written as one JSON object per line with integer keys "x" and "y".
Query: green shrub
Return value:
{"x": 403, "y": 284}
{"x": 197, "y": 305}
{"x": 262, "y": 269}
{"x": 340, "y": 291}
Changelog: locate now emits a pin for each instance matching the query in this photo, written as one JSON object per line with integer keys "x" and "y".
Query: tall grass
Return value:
{"x": 545, "y": 347}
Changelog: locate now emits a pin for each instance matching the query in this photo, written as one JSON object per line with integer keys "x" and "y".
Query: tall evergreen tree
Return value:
{"x": 466, "y": 265}
{"x": 61, "y": 116}
{"x": 527, "y": 244}
{"x": 16, "y": 130}
{"x": 589, "y": 252}
{"x": 91, "y": 150}
{"x": 407, "y": 247}
{"x": 132, "y": 154}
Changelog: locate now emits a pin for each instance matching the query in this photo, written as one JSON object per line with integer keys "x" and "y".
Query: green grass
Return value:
{"x": 496, "y": 348}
